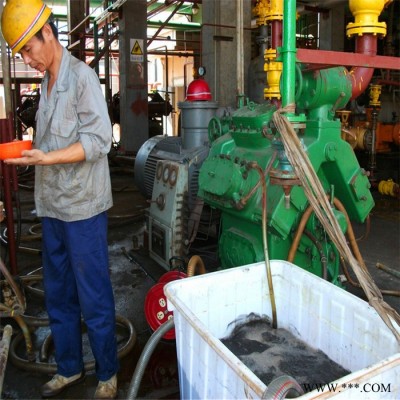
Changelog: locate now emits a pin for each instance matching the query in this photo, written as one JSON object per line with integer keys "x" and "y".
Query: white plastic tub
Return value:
{"x": 326, "y": 317}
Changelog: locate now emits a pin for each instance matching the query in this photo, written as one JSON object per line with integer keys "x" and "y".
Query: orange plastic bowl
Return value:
{"x": 14, "y": 149}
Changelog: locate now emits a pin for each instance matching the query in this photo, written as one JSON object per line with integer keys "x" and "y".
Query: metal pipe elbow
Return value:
{"x": 361, "y": 76}
{"x": 195, "y": 263}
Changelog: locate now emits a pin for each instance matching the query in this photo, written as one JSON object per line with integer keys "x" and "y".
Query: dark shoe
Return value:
{"x": 107, "y": 389}
{"x": 59, "y": 383}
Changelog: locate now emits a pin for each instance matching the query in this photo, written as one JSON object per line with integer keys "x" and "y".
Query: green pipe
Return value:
{"x": 289, "y": 52}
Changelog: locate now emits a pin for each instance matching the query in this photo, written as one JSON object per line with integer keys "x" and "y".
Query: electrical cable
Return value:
{"x": 255, "y": 166}
{"x": 317, "y": 244}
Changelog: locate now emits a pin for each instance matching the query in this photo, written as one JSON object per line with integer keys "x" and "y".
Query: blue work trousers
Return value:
{"x": 77, "y": 282}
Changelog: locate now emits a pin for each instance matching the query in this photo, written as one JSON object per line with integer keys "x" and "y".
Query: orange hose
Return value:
{"x": 193, "y": 263}
{"x": 350, "y": 233}
{"x": 352, "y": 240}
{"x": 299, "y": 233}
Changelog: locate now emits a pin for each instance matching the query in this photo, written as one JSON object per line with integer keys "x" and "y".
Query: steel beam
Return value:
{"x": 324, "y": 58}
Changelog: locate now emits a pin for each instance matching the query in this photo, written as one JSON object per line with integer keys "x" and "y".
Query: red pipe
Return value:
{"x": 9, "y": 182}
{"x": 361, "y": 76}
{"x": 276, "y": 41}
{"x": 276, "y": 34}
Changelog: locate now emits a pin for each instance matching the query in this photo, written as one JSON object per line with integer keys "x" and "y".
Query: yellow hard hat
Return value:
{"x": 21, "y": 19}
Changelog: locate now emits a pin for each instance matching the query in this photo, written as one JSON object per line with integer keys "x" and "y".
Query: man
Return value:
{"x": 72, "y": 195}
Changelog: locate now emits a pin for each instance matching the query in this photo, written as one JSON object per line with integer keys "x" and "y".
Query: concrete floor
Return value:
{"x": 132, "y": 280}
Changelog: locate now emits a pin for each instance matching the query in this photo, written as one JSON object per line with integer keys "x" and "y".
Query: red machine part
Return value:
{"x": 172, "y": 276}
{"x": 198, "y": 90}
{"x": 155, "y": 303}
{"x": 163, "y": 367}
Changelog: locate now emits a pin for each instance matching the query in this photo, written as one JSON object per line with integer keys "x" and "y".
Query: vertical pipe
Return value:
{"x": 8, "y": 173}
{"x": 361, "y": 76}
{"x": 289, "y": 52}
{"x": 239, "y": 48}
{"x": 6, "y": 71}
{"x": 372, "y": 154}
{"x": 276, "y": 34}
{"x": 96, "y": 45}
{"x": 166, "y": 87}
{"x": 4, "y": 348}
{"x": 107, "y": 89}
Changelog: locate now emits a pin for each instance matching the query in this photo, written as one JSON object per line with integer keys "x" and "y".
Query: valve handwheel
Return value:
{"x": 214, "y": 129}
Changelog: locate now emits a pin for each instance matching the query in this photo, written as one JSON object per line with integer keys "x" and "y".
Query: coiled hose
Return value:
{"x": 23, "y": 321}
{"x": 51, "y": 368}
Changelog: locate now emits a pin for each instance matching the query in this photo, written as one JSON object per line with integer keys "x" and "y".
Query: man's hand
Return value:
{"x": 29, "y": 157}
{"x": 71, "y": 154}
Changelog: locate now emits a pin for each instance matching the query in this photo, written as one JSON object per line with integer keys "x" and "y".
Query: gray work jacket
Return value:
{"x": 75, "y": 111}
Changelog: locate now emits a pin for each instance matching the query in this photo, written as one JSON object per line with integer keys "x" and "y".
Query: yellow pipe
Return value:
{"x": 268, "y": 10}
{"x": 366, "y": 14}
{"x": 389, "y": 188}
{"x": 374, "y": 93}
{"x": 275, "y": 10}
{"x": 273, "y": 69}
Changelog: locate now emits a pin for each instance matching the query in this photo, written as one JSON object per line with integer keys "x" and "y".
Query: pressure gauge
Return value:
{"x": 173, "y": 176}
{"x": 201, "y": 71}
{"x": 159, "y": 171}
{"x": 166, "y": 174}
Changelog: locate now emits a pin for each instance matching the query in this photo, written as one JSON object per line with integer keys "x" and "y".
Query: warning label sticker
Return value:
{"x": 136, "y": 46}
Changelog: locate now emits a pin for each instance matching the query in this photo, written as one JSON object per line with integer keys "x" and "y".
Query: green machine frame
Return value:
{"x": 229, "y": 181}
